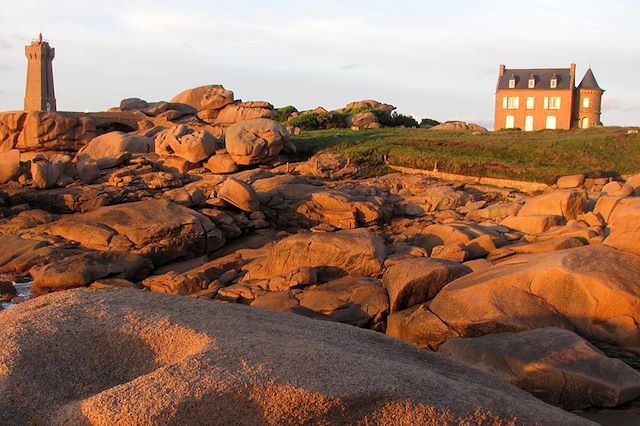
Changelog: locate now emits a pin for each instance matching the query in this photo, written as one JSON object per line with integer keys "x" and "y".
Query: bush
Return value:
{"x": 317, "y": 121}
{"x": 283, "y": 114}
{"x": 403, "y": 120}
{"x": 429, "y": 122}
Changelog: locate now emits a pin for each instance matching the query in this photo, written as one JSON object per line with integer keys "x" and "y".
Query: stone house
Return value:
{"x": 546, "y": 98}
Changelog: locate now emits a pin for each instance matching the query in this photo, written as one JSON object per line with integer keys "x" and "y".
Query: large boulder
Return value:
{"x": 221, "y": 163}
{"x": 593, "y": 290}
{"x": 256, "y": 141}
{"x": 45, "y": 173}
{"x": 624, "y": 226}
{"x": 187, "y": 143}
{"x": 442, "y": 197}
{"x": 9, "y": 165}
{"x": 362, "y": 302}
{"x": 352, "y": 252}
{"x": 83, "y": 269}
{"x": 55, "y": 131}
{"x": 122, "y": 356}
{"x": 111, "y": 149}
{"x": 237, "y": 112}
{"x": 216, "y": 98}
{"x": 11, "y": 126}
{"x": 416, "y": 280}
{"x": 567, "y": 203}
{"x": 555, "y": 365}
{"x": 363, "y": 120}
{"x": 157, "y": 229}
{"x": 195, "y": 96}
{"x": 369, "y": 103}
{"x": 239, "y": 194}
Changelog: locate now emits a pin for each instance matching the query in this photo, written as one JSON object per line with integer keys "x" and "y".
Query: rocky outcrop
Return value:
{"x": 257, "y": 141}
{"x": 157, "y": 357}
{"x": 555, "y": 365}
{"x": 459, "y": 126}
{"x": 368, "y": 103}
{"x": 592, "y": 290}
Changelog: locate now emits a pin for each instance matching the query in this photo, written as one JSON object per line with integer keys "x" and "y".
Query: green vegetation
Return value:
{"x": 331, "y": 120}
{"x": 537, "y": 156}
{"x": 429, "y": 122}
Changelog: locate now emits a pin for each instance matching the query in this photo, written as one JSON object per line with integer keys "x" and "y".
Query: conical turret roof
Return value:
{"x": 589, "y": 81}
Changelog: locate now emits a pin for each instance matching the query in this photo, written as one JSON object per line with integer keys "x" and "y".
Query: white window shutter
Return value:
{"x": 504, "y": 102}
{"x": 546, "y": 102}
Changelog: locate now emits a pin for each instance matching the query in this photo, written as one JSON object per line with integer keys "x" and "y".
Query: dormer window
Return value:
{"x": 532, "y": 82}
{"x": 554, "y": 82}
{"x": 512, "y": 83}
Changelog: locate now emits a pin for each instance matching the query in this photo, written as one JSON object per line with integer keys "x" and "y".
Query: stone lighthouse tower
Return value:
{"x": 40, "y": 95}
{"x": 589, "y": 102}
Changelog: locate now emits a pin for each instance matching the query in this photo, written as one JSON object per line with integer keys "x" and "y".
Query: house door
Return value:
{"x": 528, "y": 123}
{"x": 510, "y": 123}
{"x": 585, "y": 123}
{"x": 551, "y": 122}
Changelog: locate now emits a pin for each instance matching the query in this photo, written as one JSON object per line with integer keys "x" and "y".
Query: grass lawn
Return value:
{"x": 539, "y": 156}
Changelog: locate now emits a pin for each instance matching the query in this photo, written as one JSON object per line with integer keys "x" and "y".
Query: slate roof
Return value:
{"x": 543, "y": 78}
{"x": 589, "y": 81}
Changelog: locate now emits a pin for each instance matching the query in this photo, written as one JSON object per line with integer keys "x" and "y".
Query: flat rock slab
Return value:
{"x": 556, "y": 365}
{"x": 122, "y": 356}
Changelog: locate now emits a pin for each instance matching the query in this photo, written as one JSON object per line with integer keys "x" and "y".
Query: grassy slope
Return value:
{"x": 538, "y": 156}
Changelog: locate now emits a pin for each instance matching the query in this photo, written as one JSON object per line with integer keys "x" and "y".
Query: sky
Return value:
{"x": 428, "y": 58}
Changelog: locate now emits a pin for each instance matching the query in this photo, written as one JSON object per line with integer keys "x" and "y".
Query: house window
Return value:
{"x": 530, "y": 102}
{"x": 552, "y": 102}
{"x": 585, "y": 103}
{"x": 532, "y": 83}
{"x": 513, "y": 102}
{"x": 512, "y": 83}
{"x": 510, "y": 122}
{"x": 554, "y": 83}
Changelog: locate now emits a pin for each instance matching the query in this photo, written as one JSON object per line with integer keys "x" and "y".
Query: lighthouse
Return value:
{"x": 40, "y": 94}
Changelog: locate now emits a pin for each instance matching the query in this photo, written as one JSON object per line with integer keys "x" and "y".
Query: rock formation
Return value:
{"x": 125, "y": 356}
{"x": 179, "y": 198}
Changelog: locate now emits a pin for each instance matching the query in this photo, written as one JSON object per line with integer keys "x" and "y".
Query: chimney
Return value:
{"x": 501, "y": 70}
{"x": 573, "y": 76}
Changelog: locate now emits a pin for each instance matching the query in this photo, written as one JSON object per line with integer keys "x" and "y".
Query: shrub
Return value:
{"x": 403, "y": 120}
{"x": 317, "y": 121}
{"x": 429, "y": 122}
